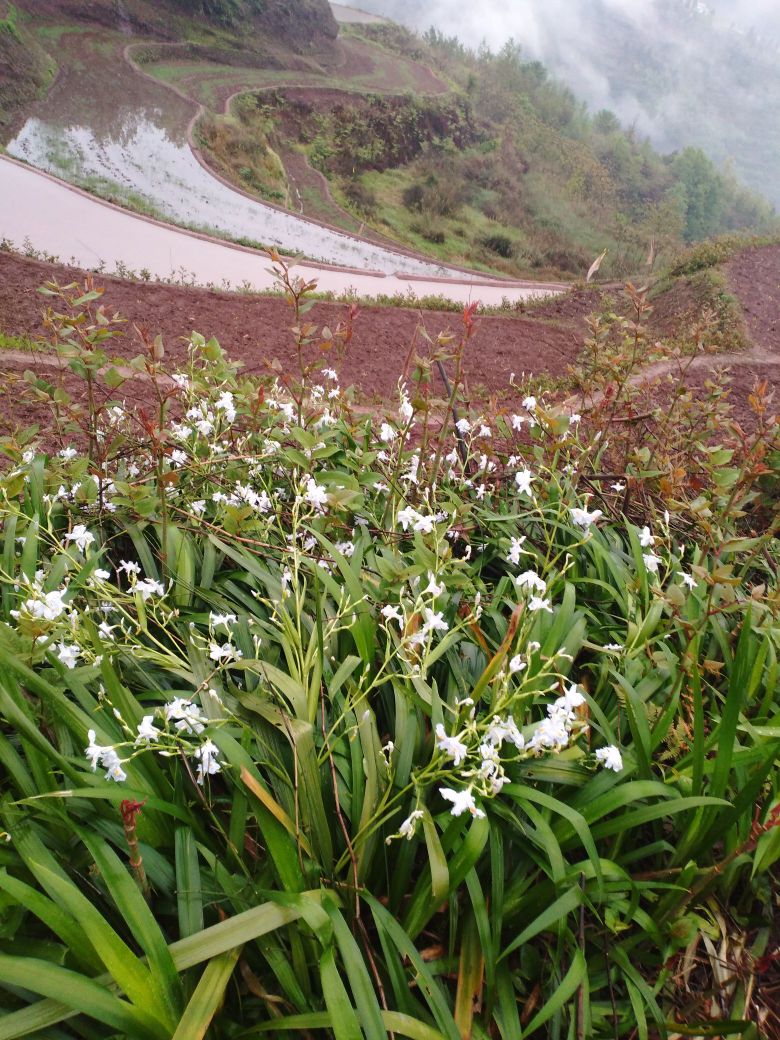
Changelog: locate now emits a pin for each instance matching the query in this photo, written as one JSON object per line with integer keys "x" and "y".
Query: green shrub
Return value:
{"x": 501, "y": 245}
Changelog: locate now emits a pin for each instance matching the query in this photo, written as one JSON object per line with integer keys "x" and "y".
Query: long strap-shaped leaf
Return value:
{"x": 208, "y": 995}
{"x": 393, "y": 1022}
{"x": 186, "y": 953}
{"x": 77, "y": 995}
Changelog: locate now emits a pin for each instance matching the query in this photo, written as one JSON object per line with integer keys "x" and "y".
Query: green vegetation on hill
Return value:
{"x": 509, "y": 172}
{"x": 301, "y": 21}
{"x": 26, "y": 69}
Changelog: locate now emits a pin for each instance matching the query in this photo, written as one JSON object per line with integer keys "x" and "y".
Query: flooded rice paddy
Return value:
{"x": 108, "y": 129}
{"x": 120, "y": 135}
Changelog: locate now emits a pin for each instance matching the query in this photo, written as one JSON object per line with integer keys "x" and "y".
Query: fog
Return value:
{"x": 679, "y": 71}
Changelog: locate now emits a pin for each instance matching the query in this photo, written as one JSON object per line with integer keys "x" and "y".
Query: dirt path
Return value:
{"x": 754, "y": 277}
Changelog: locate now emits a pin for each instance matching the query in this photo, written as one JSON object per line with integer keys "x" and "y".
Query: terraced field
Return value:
{"x": 127, "y": 137}
{"x": 360, "y": 67}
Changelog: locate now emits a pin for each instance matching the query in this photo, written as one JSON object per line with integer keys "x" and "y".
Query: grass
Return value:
{"x": 25, "y": 343}
{"x": 293, "y": 653}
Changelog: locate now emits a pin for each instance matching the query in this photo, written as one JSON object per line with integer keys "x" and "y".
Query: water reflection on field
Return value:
{"x": 107, "y": 128}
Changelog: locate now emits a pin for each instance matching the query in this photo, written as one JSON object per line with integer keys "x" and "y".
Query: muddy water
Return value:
{"x": 106, "y": 128}
{"x": 79, "y": 229}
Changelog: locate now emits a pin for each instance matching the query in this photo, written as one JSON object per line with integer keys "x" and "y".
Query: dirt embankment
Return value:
{"x": 256, "y": 330}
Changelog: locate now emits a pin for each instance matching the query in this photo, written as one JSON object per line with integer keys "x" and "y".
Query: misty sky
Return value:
{"x": 534, "y": 22}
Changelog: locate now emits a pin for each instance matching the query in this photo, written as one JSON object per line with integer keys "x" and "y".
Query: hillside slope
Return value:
{"x": 682, "y": 71}
{"x": 509, "y": 173}
{"x": 26, "y": 70}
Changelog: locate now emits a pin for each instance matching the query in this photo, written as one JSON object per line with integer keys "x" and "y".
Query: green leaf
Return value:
{"x": 208, "y": 996}
{"x": 189, "y": 898}
{"x": 569, "y": 985}
{"x": 552, "y": 915}
{"x": 344, "y": 1020}
{"x": 77, "y": 995}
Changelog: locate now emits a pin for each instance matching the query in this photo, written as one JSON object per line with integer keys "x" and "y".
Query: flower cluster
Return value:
{"x": 168, "y": 730}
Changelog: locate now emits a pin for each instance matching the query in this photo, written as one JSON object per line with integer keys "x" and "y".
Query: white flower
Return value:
{"x": 178, "y": 457}
{"x": 387, "y": 433}
{"x": 499, "y": 731}
{"x": 331, "y": 373}
{"x": 316, "y": 495}
{"x": 207, "y": 760}
{"x": 462, "y": 801}
{"x": 523, "y": 480}
{"x": 582, "y": 518}
{"x": 129, "y": 568}
{"x": 575, "y": 418}
{"x": 68, "y": 454}
{"x": 610, "y": 758}
{"x": 181, "y": 380}
{"x": 536, "y": 603}
{"x": 185, "y": 715}
{"x": 223, "y": 654}
{"x": 517, "y": 664}
{"x": 148, "y": 587}
{"x": 572, "y": 698}
{"x": 612, "y": 646}
{"x": 530, "y": 580}
{"x": 529, "y": 403}
{"x": 116, "y": 773}
{"x": 451, "y": 746}
{"x": 687, "y": 579}
{"x": 433, "y": 588}
{"x": 434, "y": 622}
{"x": 226, "y": 404}
{"x": 105, "y": 630}
{"x": 517, "y": 422}
{"x": 651, "y": 562}
{"x": 414, "y": 468}
{"x": 620, "y": 486}
{"x": 107, "y": 757}
{"x": 424, "y": 524}
{"x": 68, "y": 654}
{"x": 93, "y": 751}
{"x": 101, "y": 574}
{"x": 550, "y": 733}
{"x": 407, "y": 516}
{"x": 222, "y": 619}
{"x": 198, "y": 507}
{"x": 81, "y": 536}
{"x": 515, "y": 549}
{"x": 463, "y": 426}
{"x": 405, "y": 410}
{"x": 43, "y": 607}
{"x": 408, "y": 827}
{"x": 285, "y": 580}
{"x": 485, "y": 431}
{"x": 392, "y": 614}
{"x": 645, "y": 538}
{"x": 146, "y": 730}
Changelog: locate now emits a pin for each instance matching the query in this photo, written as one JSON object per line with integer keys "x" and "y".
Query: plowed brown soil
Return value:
{"x": 256, "y": 330}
